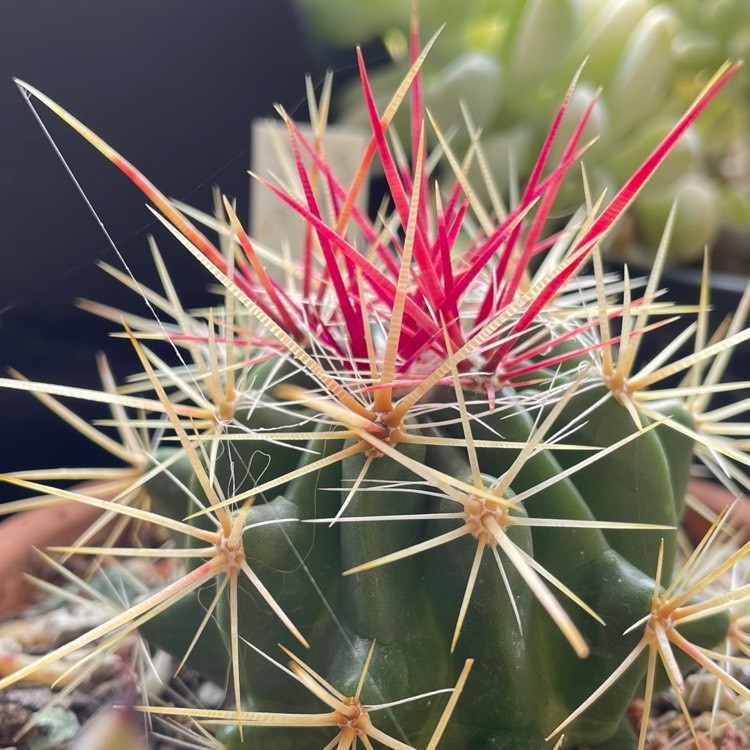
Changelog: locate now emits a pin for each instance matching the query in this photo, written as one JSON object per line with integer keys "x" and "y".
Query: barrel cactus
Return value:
{"x": 425, "y": 469}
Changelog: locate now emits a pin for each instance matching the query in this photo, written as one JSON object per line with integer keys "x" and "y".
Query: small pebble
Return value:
{"x": 57, "y": 727}
{"x": 734, "y": 739}
{"x": 210, "y": 695}
{"x": 12, "y": 718}
{"x": 700, "y": 694}
{"x": 717, "y": 725}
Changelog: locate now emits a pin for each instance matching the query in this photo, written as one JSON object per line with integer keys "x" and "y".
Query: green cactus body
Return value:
{"x": 388, "y": 605}
{"x": 298, "y": 562}
{"x": 169, "y": 490}
{"x": 601, "y": 566}
{"x": 490, "y": 631}
{"x": 256, "y": 412}
{"x": 175, "y": 629}
{"x": 583, "y": 560}
{"x": 522, "y": 683}
{"x": 636, "y": 476}
{"x": 678, "y": 448}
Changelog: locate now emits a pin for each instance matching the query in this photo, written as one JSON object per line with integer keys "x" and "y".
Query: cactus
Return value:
{"x": 428, "y": 473}
{"x": 508, "y": 60}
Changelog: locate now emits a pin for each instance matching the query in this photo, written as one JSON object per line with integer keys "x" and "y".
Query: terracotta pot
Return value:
{"x": 21, "y": 534}
{"x": 715, "y": 497}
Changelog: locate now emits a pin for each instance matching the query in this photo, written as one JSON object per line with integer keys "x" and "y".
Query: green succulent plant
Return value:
{"x": 427, "y": 468}
{"x": 506, "y": 61}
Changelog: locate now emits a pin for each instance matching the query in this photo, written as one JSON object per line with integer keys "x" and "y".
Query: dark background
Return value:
{"x": 171, "y": 84}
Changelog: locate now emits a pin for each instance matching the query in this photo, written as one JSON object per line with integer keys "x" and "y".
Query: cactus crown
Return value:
{"x": 426, "y": 460}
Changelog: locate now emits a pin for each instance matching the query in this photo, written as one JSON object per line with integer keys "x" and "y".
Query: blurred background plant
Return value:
{"x": 506, "y": 61}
